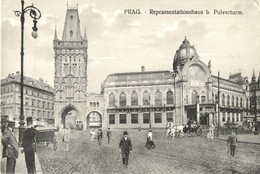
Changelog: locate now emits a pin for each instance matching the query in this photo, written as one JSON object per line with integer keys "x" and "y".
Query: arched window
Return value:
{"x": 228, "y": 100}
{"x": 233, "y": 101}
{"x": 169, "y": 97}
{"x": 134, "y": 99}
{"x": 91, "y": 104}
{"x": 97, "y": 104}
{"x": 122, "y": 100}
{"x": 241, "y": 102}
{"x": 94, "y": 104}
{"x": 237, "y": 102}
{"x": 213, "y": 98}
{"x": 223, "y": 100}
{"x": 111, "y": 100}
{"x": 194, "y": 97}
{"x": 146, "y": 98}
{"x": 158, "y": 98}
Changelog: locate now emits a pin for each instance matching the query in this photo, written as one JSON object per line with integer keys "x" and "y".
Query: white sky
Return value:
{"x": 124, "y": 43}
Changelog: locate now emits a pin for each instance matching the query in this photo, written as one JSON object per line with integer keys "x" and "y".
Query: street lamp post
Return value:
{"x": 150, "y": 120}
{"x": 218, "y": 133}
{"x": 174, "y": 92}
{"x": 255, "y": 102}
{"x": 35, "y": 14}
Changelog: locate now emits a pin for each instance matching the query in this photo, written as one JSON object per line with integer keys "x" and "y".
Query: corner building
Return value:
{"x": 190, "y": 91}
{"x": 38, "y": 98}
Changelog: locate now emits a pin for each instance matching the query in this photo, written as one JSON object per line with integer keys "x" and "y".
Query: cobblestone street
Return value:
{"x": 186, "y": 155}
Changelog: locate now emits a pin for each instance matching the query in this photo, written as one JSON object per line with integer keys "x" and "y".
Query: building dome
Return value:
{"x": 185, "y": 53}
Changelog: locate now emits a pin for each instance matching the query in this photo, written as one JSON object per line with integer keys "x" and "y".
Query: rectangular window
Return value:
{"x": 146, "y": 118}
{"x": 33, "y": 102}
{"x": 122, "y": 118}
{"x": 111, "y": 118}
{"x": 169, "y": 116}
{"x": 223, "y": 117}
{"x": 39, "y": 113}
{"x": 158, "y": 118}
{"x": 33, "y": 111}
{"x": 134, "y": 118}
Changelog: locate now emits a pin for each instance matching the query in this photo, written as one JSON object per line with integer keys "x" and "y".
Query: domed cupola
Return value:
{"x": 184, "y": 54}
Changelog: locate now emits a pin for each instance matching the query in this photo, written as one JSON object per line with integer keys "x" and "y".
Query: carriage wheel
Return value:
{"x": 199, "y": 132}
{"x": 188, "y": 133}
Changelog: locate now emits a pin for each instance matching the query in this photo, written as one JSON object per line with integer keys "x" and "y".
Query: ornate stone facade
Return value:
{"x": 191, "y": 87}
{"x": 255, "y": 98}
{"x": 70, "y": 81}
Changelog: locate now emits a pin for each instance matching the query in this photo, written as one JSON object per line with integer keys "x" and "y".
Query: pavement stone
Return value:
{"x": 180, "y": 156}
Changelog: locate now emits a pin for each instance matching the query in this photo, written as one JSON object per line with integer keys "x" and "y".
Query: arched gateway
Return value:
{"x": 94, "y": 120}
{"x": 70, "y": 80}
{"x": 68, "y": 116}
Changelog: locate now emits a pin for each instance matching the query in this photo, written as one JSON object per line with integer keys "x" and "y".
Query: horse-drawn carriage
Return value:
{"x": 178, "y": 131}
{"x": 46, "y": 135}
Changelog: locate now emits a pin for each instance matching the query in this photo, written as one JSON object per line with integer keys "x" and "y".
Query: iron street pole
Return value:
{"x": 35, "y": 14}
{"x": 150, "y": 121}
{"x": 218, "y": 133}
{"x": 174, "y": 88}
{"x": 256, "y": 124}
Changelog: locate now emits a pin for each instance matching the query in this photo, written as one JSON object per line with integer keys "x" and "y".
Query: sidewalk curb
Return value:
{"x": 246, "y": 142}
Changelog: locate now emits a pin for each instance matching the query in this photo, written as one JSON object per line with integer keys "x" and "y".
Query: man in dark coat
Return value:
{"x": 29, "y": 146}
{"x": 100, "y": 136}
{"x": 108, "y": 135}
{"x": 232, "y": 143}
{"x": 11, "y": 148}
{"x": 125, "y": 147}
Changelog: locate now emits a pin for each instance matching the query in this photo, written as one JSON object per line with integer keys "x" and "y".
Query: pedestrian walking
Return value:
{"x": 232, "y": 143}
{"x": 210, "y": 134}
{"x": 92, "y": 133}
{"x": 139, "y": 128}
{"x": 149, "y": 141}
{"x": 10, "y": 147}
{"x": 108, "y": 135}
{"x": 125, "y": 147}
{"x": 100, "y": 136}
{"x": 66, "y": 138}
{"x": 29, "y": 146}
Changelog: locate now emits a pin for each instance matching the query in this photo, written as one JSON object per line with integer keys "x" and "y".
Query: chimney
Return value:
{"x": 143, "y": 68}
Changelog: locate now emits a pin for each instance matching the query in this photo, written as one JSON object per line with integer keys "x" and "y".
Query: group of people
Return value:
{"x": 100, "y": 135}
{"x": 11, "y": 148}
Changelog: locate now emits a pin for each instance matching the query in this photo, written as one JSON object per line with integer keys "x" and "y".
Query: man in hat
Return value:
{"x": 29, "y": 145}
{"x": 108, "y": 135}
{"x": 11, "y": 148}
{"x": 232, "y": 143}
{"x": 100, "y": 136}
{"x": 125, "y": 147}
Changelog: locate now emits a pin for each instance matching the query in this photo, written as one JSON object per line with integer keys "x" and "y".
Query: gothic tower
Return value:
{"x": 70, "y": 81}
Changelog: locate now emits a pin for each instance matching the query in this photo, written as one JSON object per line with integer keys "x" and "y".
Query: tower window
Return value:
{"x": 71, "y": 17}
{"x": 71, "y": 33}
